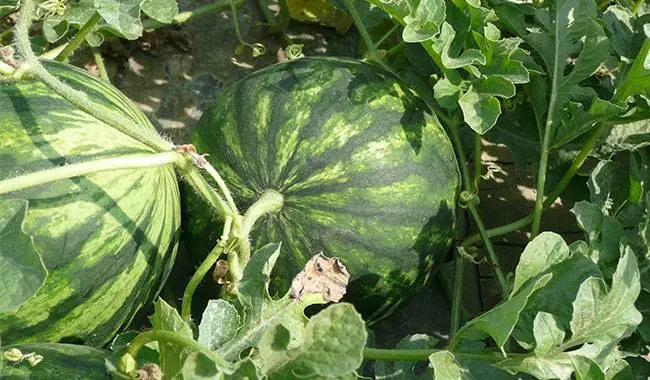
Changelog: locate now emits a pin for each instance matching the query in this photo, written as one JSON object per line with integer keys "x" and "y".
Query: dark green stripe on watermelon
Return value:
{"x": 368, "y": 175}
{"x": 108, "y": 239}
{"x": 60, "y": 361}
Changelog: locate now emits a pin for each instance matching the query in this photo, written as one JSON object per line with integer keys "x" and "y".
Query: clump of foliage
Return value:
{"x": 557, "y": 82}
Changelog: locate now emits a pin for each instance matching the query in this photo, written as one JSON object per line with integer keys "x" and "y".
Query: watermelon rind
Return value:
{"x": 106, "y": 240}
{"x": 366, "y": 171}
{"x": 60, "y": 361}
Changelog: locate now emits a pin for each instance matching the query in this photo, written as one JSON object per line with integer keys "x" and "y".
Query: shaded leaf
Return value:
{"x": 499, "y": 322}
{"x": 166, "y": 318}
{"x": 22, "y": 271}
{"x": 160, "y": 10}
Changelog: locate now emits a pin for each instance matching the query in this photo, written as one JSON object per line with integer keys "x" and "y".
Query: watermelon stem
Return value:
{"x": 197, "y": 277}
{"x": 407, "y": 355}
{"x": 578, "y": 161}
{"x": 136, "y": 161}
{"x": 372, "y": 54}
{"x": 163, "y": 336}
{"x": 269, "y": 203}
{"x": 79, "y": 38}
{"x": 76, "y": 97}
{"x": 469, "y": 189}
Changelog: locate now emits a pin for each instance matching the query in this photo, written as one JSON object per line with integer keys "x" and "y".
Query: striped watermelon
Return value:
{"x": 368, "y": 175}
{"x": 60, "y": 361}
{"x": 107, "y": 240}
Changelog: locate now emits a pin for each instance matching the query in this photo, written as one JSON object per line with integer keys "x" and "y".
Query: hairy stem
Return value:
{"x": 578, "y": 161}
{"x": 99, "y": 61}
{"x": 477, "y": 161}
{"x": 6, "y": 69}
{"x": 457, "y": 295}
{"x": 76, "y": 97}
{"x": 186, "y": 306}
{"x": 372, "y": 53}
{"x": 162, "y": 336}
{"x": 494, "y": 259}
{"x": 136, "y": 161}
{"x": 270, "y": 202}
{"x": 78, "y": 38}
{"x": 423, "y": 355}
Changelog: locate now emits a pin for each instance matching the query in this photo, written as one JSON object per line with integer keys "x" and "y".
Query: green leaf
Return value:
{"x": 587, "y": 369}
{"x": 576, "y": 120}
{"x": 258, "y": 311}
{"x": 424, "y": 20}
{"x": 541, "y": 367}
{"x": 479, "y": 104}
{"x": 548, "y": 334}
{"x": 447, "y": 94}
{"x": 160, "y": 10}
{"x": 503, "y": 56}
{"x": 548, "y": 255}
{"x": 601, "y": 317}
{"x": 122, "y": 16}
{"x": 446, "y": 367}
{"x": 331, "y": 345}
{"x": 604, "y": 234}
{"x": 542, "y": 253}
{"x": 167, "y": 318}
{"x": 198, "y": 366}
{"x": 407, "y": 370}
{"x": 619, "y": 22}
{"x": 629, "y": 136}
{"x": 22, "y": 272}
{"x": 219, "y": 324}
{"x": 467, "y": 60}
{"x": 499, "y": 322}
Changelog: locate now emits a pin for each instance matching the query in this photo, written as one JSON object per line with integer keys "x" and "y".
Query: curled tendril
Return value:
{"x": 464, "y": 253}
{"x": 294, "y": 51}
{"x": 492, "y": 169}
{"x": 258, "y": 49}
{"x": 467, "y": 199}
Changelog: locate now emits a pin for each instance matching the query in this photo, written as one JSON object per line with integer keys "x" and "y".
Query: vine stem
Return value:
{"x": 99, "y": 61}
{"x": 162, "y": 336}
{"x": 457, "y": 294}
{"x": 74, "y": 170}
{"x": 186, "y": 305}
{"x": 270, "y": 202}
{"x": 423, "y": 355}
{"x": 372, "y": 53}
{"x": 578, "y": 161}
{"x": 79, "y": 38}
{"x": 76, "y": 97}
{"x": 501, "y": 278}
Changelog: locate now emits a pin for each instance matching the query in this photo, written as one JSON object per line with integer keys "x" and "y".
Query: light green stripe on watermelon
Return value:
{"x": 107, "y": 239}
{"x": 60, "y": 361}
{"x": 368, "y": 175}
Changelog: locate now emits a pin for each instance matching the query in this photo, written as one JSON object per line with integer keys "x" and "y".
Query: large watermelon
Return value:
{"x": 367, "y": 173}
{"x": 106, "y": 240}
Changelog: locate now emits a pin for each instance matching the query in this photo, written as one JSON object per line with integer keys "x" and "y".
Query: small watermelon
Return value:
{"x": 80, "y": 255}
{"x": 368, "y": 175}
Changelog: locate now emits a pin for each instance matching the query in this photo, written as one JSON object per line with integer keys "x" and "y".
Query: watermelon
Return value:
{"x": 78, "y": 256}
{"x": 368, "y": 175}
{"x": 60, "y": 361}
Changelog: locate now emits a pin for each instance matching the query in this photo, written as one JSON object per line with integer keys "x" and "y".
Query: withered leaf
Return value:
{"x": 322, "y": 275}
